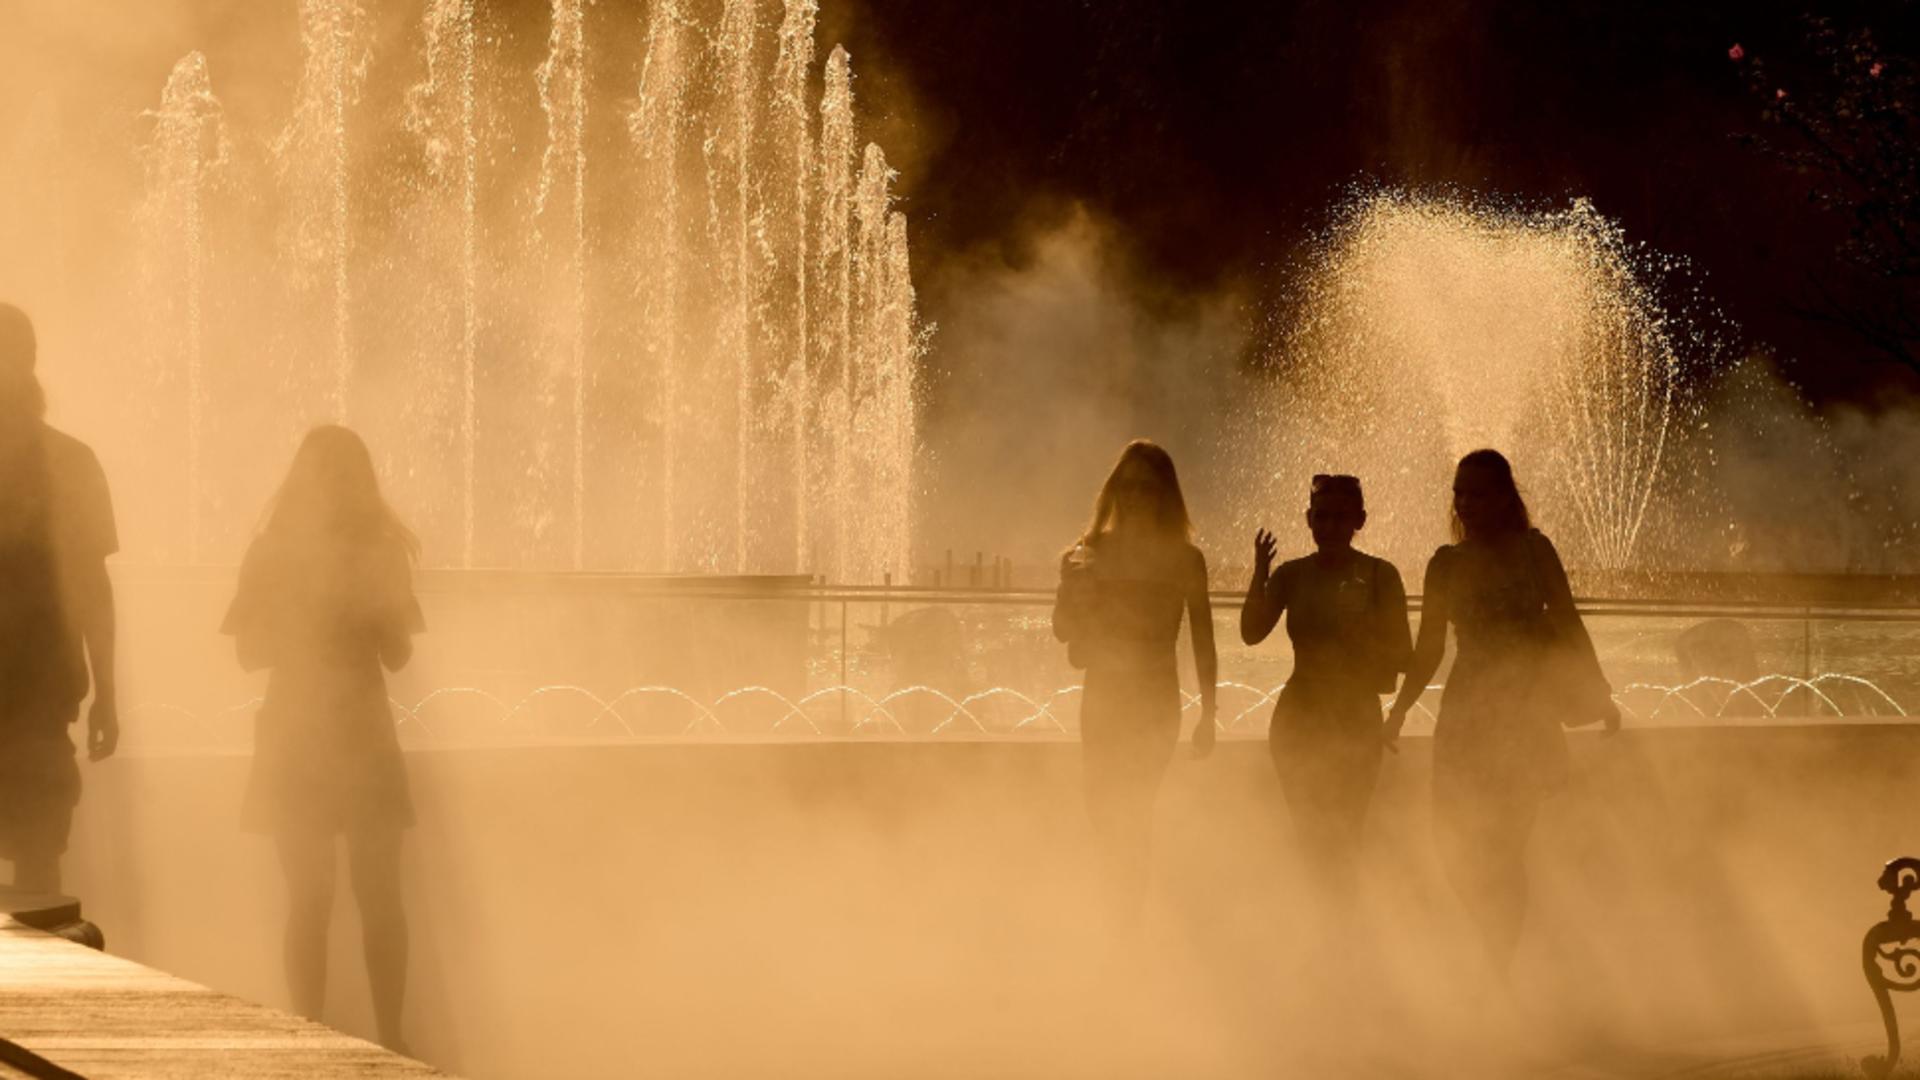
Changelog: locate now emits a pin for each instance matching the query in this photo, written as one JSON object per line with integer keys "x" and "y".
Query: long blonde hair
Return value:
{"x": 1169, "y": 506}
{"x": 1512, "y": 518}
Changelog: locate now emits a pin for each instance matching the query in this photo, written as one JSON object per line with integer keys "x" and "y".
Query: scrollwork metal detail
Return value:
{"x": 1890, "y": 957}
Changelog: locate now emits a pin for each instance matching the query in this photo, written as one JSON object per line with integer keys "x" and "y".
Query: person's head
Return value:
{"x": 332, "y": 495}
{"x": 1486, "y": 501}
{"x": 21, "y": 400}
{"x": 1335, "y": 511}
{"x": 18, "y": 345}
{"x": 1141, "y": 496}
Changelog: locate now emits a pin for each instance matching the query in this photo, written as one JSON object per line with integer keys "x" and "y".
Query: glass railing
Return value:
{"x": 623, "y": 658}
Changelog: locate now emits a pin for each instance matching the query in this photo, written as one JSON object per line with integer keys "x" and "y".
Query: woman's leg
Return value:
{"x": 1506, "y": 880}
{"x": 306, "y": 860}
{"x": 1328, "y": 776}
{"x": 1120, "y": 809}
{"x": 375, "y": 859}
{"x": 1483, "y": 847}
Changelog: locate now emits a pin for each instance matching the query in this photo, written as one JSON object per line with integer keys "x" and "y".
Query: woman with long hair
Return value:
{"x": 1123, "y": 589}
{"x": 1347, "y": 619}
{"x": 325, "y": 600}
{"x": 1498, "y": 750}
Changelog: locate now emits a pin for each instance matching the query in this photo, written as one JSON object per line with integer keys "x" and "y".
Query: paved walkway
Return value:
{"x": 103, "y": 1017}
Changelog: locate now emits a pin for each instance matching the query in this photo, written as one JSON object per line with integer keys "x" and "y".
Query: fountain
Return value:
{"x": 188, "y": 150}
{"x": 684, "y": 342}
{"x": 1431, "y": 326}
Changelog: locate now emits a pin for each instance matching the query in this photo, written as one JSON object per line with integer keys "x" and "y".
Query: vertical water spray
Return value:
{"x": 442, "y": 112}
{"x": 774, "y": 316}
{"x": 563, "y": 96}
{"x": 188, "y": 145}
{"x": 656, "y": 124}
{"x": 732, "y": 226}
{"x": 790, "y": 81}
{"x": 836, "y": 287}
{"x": 312, "y": 157}
{"x": 873, "y": 199}
{"x": 899, "y": 341}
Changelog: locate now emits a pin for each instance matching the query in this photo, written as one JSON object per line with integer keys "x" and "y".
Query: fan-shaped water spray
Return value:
{"x": 1433, "y": 326}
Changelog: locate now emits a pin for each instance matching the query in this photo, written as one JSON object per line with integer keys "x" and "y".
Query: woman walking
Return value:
{"x": 325, "y": 599}
{"x": 1123, "y": 589}
{"x": 1347, "y": 619}
{"x": 1525, "y": 666}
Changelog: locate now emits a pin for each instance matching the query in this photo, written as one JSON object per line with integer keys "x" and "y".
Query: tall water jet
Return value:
{"x": 790, "y": 70}
{"x": 442, "y": 112}
{"x": 313, "y": 160}
{"x": 188, "y": 146}
{"x": 754, "y": 399}
{"x": 563, "y": 96}
{"x": 1433, "y": 326}
{"x": 656, "y": 124}
{"x": 835, "y": 263}
{"x": 901, "y": 343}
{"x": 885, "y": 348}
{"x": 732, "y": 223}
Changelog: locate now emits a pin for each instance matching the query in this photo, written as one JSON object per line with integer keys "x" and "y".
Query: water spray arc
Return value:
{"x": 1432, "y": 326}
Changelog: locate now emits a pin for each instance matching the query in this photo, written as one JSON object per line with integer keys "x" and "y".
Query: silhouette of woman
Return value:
{"x": 1347, "y": 618}
{"x": 1497, "y": 750}
{"x": 325, "y": 598}
{"x": 1123, "y": 589}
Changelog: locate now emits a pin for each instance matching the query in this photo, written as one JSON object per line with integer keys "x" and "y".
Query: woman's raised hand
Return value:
{"x": 1264, "y": 547}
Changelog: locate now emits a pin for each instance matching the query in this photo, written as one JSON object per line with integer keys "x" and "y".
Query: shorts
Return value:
{"x": 39, "y": 787}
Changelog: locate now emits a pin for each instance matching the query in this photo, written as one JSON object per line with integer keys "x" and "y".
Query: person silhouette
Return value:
{"x": 325, "y": 598}
{"x": 1123, "y": 589}
{"x": 56, "y": 616}
{"x": 1498, "y": 751}
{"x": 1347, "y": 618}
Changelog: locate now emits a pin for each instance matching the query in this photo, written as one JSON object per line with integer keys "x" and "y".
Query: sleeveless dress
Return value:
{"x": 326, "y": 755}
{"x": 1325, "y": 735}
{"x": 1127, "y": 632}
{"x": 1490, "y": 746}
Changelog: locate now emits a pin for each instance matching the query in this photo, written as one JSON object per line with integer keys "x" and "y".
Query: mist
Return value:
{"x": 691, "y": 796}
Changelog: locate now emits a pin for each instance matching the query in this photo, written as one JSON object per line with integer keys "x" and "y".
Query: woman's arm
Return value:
{"x": 400, "y": 617}
{"x": 1429, "y": 648}
{"x": 1395, "y": 638}
{"x": 1557, "y": 590}
{"x": 1565, "y": 617}
{"x": 1065, "y": 626}
{"x": 247, "y": 619}
{"x": 396, "y": 648}
{"x": 251, "y": 652}
{"x": 1265, "y": 597}
{"x": 1206, "y": 662}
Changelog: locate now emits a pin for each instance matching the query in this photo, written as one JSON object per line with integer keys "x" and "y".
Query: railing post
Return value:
{"x": 1806, "y": 656}
{"x": 843, "y": 662}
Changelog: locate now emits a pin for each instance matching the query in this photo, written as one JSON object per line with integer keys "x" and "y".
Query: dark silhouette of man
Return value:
{"x": 56, "y": 616}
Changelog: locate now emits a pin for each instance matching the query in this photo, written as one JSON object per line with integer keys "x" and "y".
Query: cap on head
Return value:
{"x": 18, "y": 345}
